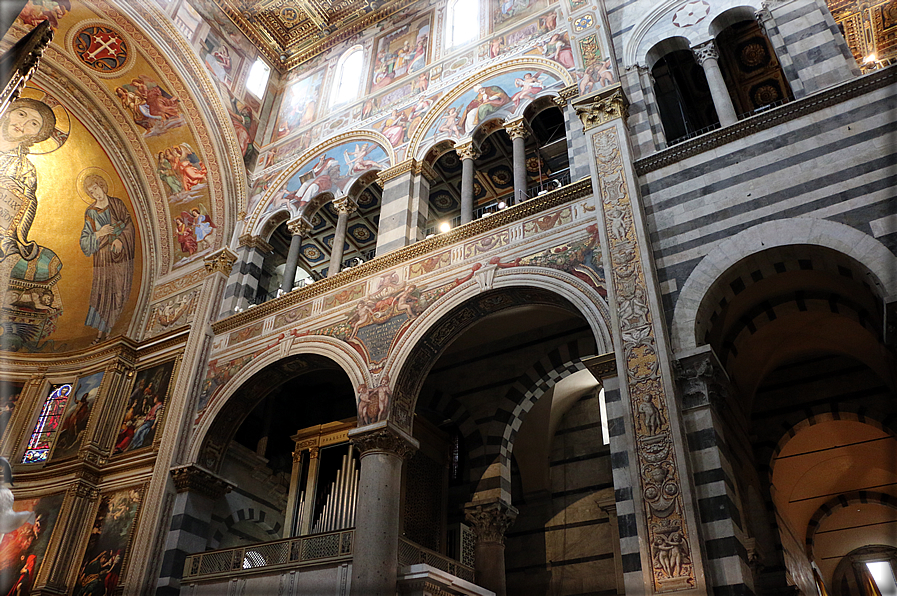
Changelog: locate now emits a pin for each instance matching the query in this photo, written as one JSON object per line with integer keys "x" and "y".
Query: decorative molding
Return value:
{"x": 384, "y": 437}
{"x": 566, "y": 94}
{"x": 256, "y": 242}
{"x": 672, "y": 548}
{"x": 424, "y": 167}
{"x": 193, "y": 478}
{"x": 571, "y": 192}
{"x": 516, "y": 128}
{"x": 466, "y": 150}
{"x": 220, "y": 261}
{"x": 603, "y": 366}
{"x": 766, "y": 120}
{"x": 602, "y": 106}
{"x": 395, "y": 171}
{"x": 490, "y": 520}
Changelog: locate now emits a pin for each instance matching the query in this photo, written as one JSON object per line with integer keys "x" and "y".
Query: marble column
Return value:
{"x": 517, "y": 131}
{"x": 344, "y": 207}
{"x": 490, "y": 521}
{"x": 298, "y": 228}
{"x": 383, "y": 448}
{"x": 466, "y": 153}
{"x": 708, "y": 57}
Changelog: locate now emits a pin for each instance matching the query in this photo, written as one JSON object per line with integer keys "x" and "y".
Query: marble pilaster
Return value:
{"x": 517, "y": 131}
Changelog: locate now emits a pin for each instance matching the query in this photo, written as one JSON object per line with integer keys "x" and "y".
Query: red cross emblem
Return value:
{"x": 103, "y": 45}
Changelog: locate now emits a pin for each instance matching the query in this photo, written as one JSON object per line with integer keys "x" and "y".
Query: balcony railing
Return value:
{"x": 288, "y": 553}
{"x": 411, "y": 553}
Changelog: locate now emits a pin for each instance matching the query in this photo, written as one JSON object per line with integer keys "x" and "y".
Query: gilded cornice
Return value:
{"x": 424, "y": 167}
{"x": 395, "y": 171}
{"x": 193, "y": 478}
{"x": 120, "y": 347}
{"x": 568, "y": 193}
{"x": 603, "y": 106}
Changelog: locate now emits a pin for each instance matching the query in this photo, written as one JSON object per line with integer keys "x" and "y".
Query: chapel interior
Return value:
{"x": 448, "y": 297}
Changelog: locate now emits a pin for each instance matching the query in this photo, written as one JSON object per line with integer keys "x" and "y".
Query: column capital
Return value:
{"x": 256, "y": 242}
{"x": 344, "y": 205}
{"x": 384, "y": 437}
{"x": 192, "y": 478}
{"x": 516, "y": 128}
{"x": 603, "y": 366}
{"x": 466, "y": 150}
{"x": 490, "y": 519}
{"x": 566, "y": 94}
{"x": 602, "y": 106}
{"x": 701, "y": 379}
{"x": 705, "y": 51}
{"x": 220, "y": 261}
{"x": 298, "y": 226}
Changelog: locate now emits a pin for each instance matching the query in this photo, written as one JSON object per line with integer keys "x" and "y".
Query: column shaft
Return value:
{"x": 708, "y": 57}
{"x": 466, "y": 153}
{"x": 519, "y": 170}
{"x": 336, "y": 253}
{"x": 490, "y": 521}
{"x": 289, "y": 272}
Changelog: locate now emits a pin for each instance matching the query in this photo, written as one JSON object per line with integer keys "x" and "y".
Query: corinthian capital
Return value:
{"x": 384, "y": 437}
{"x": 705, "y": 51}
{"x": 344, "y": 205}
{"x": 466, "y": 150}
{"x": 490, "y": 520}
{"x": 298, "y": 227}
{"x": 516, "y": 129}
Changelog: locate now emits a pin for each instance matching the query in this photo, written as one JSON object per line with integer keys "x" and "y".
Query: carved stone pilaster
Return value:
{"x": 384, "y": 437}
{"x": 466, "y": 150}
{"x": 220, "y": 261}
{"x": 344, "y": 205}
{"x": 602, "y": 106}
{"x": 516, "y": 128}
{"x": 705, "y": 51}
{"x": 192, "y": 478}
{"x": 256, "y": 242}
{"x": 490, "y": 520}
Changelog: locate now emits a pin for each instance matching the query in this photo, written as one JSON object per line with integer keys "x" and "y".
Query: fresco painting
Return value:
{"x": 10, "y": 393}
{"x": 299, "y": 104}
{"x": 505, "y": 12}
{"x": 495, "y": 97}
{"x": 144, "y": 409}
{"x": 22, "y": 550}
{"x": 38, "y": 11}
{"x": 218, "y": 57}
{"x": 330, "y": 171}
{"x": 76, "y": 416}
{"x": 182, "y": 173}
{"x": 401, "y": 52}
{"x": 515, "y": 39}
{"x": 50, "y": 245}
{"x": 597, "y": 72}
{"x": 150, "y": 106}
{"x": 103, "y": 561}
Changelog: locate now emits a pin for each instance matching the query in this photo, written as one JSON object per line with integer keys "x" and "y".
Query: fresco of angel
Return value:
{"x": 150, "y": 106}
{"x": 181, "y": 170}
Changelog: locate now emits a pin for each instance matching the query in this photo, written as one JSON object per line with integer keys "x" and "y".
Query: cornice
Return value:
{"x": 571, "y": 192}
{"x": 119, "y": 347}
{"x": 255, "y": 242}
{"x": 602, "y": 367}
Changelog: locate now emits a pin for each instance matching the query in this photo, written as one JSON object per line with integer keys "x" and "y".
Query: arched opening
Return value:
{"x": 753, "y": 75}
{"x": 799, "y": 330}
{"x": 681, "y": 90}
{"x": 501, "y": 393}
{"x": 274, "y": 263}
{"x": 269, "y": 445}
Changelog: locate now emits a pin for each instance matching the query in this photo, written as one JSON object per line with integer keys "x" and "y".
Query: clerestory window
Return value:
{"x": 347, "y": 81}
{"x": 462, "y": 22}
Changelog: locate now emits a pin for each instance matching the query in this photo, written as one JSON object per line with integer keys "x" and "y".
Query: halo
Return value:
{"x": 79, "y": 183}
{"x": 63, "y": 122}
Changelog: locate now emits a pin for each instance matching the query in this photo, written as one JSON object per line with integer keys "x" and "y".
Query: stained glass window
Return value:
{"x": 47, "y": 424}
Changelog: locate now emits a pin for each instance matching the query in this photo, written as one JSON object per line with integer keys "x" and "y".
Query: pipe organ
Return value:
{"x": 324, "y": 480}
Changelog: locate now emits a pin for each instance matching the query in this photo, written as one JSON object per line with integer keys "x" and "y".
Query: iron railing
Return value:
{"x": 411, "y": 553}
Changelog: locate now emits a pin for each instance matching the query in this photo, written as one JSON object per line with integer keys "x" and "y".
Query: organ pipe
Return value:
{"x": 339, "y": 505}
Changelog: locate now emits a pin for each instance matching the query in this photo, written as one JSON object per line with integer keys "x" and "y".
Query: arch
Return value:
{"x": 419, "y": 143}
{"x": 664, "y": 47}
{"x": 862, "y": 248}
{"x": 448, "y": 317}
{"x": 729, "y": 17}
{"x": 287, "y": 358}
{"x": 840, "y": 502}
{"x": 247, "y": 514}
{"x": 278, "y": 185}
{"x": 654, "y": 28}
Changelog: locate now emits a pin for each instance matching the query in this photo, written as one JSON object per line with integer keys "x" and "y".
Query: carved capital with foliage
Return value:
{"x": 516, "y": 128}
{"x": 344, "y": 205}
{"x": 298, "y": 227}
{"x": 384, "y": 437}
{"x": 220, "y": 261}
{"x": 705, "y": 51}
{"x": 603, "y": 366}
{"x": 466, "y": 150}
{"x": 603, "y": 106}
{"x": 193, "y": 478}
{"x": 490, "y": 520}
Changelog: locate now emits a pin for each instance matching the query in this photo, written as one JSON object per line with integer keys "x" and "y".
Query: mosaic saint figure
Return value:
{"x": 108, "y": 236}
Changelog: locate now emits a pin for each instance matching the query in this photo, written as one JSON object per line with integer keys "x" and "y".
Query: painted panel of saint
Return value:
{"x": 23, "y": 550}
{"x": 299, "y": 104}
{"x": 76, "y": 416}
{"x": 110, "y": 537}
{"x": 145, "y": 408}
{"x": 401, "y": 52}
{"x": 10, "y": 392}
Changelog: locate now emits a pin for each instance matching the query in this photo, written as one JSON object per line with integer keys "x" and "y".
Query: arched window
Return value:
{"x": 347, "y": 82}
{"x": 258, "y": 78}
{"x": 462, "y": 23}
{"x": 47, "y": 424}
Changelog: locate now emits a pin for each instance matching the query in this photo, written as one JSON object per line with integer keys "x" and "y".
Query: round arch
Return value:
{"x": 253, "y": 224}
{"x": 286, "y": 360}
{"x": 449, "y": 316}
{"x": 416, "y": 146}
{"x": 862, "y": 248}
